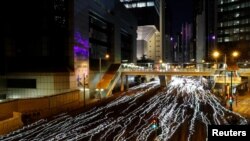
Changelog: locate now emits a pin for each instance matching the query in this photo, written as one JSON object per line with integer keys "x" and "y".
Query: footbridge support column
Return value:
{"x": 248, "y": 83}
{"x": 169, "y": 77}
{"x": 162, "y": 80}
{"x": 127, "y": 83}
{"x": 122, "y": 84}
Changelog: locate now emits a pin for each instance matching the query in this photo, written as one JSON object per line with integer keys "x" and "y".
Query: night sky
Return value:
{"x": 181, "y": 12}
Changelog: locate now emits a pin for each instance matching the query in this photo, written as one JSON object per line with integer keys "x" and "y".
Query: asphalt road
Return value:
{"x": 180, "y": 112}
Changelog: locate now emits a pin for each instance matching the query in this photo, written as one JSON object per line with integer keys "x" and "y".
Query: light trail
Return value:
{"x": 184, "y": 105}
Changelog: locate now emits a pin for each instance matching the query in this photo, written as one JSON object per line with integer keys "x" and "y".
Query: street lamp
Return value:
{"x": 82, "y": 88}
{"x": 216, "y": 54}
{"x": 100, "y": 72}
{"x": 235, "y": 54}
{"x": 233, "y": 68}
{"x": 160, "y": 61}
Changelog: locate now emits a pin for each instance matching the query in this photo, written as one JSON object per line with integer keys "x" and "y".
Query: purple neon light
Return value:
{"x": 81, "y": 47}
{"x": 213, "y": 37}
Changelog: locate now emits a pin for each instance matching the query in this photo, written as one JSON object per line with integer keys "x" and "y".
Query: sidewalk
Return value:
{"x": 242, "y": 106}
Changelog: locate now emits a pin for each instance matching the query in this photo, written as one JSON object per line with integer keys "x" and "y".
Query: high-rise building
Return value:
{"x": 48, "y": 46}
{"x": 233, "y": 27}
{"x": 181, "y": 43}
{"x": 146, "y": 11}
{"x": 148, "y": 42}
{"x": 187, "y": 49}
{"x": 223, "y": 25}
{"x": 204, "y": 28}
{"x": 150, "y": 13}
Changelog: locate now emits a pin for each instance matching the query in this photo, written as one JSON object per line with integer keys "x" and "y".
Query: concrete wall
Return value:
{"x": 7, "y": 109}
{"x": 42, "y": 107}
{"x": 11, "y": 124}
{"x": 46, "y": 84}
{"x": 154, "y": 50}
{"x": 141, "y": 46}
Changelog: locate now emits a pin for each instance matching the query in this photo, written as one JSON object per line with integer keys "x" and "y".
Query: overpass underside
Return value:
{"x": 164, "y": 76}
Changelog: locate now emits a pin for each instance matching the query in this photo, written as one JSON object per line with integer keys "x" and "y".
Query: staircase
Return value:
{"x": 110, "y": 79}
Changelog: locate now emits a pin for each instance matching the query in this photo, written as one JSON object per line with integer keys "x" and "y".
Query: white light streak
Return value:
{"x": 185, "y": 102}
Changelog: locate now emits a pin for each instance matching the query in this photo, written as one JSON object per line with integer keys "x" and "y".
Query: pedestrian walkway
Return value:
{"x": 242, "y": 106}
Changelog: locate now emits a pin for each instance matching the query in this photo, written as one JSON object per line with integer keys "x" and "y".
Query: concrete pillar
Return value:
{"x": 122, "y": 84}
{"x": 248, "y": 83}
{"x": 127, "y": 82}
{"x": 162, "y": 80}
{"x": 169, "y": 77}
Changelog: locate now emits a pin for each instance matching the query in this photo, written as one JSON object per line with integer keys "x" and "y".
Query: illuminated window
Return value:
{"x": 242, "y": 30}
{"x": 236, "y": 30}
{"x": 129, "y": 6}
{"x": 134, "y": 5}
{"x": 236, "y": 22}
{"x": 237, "y": 15}
{"x": 226, "y": 39}
{"x": 141, "y": 4}
{"x": 150, "y": 3}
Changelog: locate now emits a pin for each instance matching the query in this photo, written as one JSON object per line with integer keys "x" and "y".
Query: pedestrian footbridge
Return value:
{"x": 164, "y": 71}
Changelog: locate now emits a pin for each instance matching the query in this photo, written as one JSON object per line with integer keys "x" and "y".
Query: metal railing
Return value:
{"x": 200, "y": 67}
{"x": 179, "y": 67}
{"x": 113, "y": 81}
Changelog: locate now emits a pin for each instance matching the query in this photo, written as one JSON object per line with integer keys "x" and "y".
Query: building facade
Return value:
{"x": 150, "y": 13}
{"x": 222, "y": 25}
{"x": 233, "y": 27}
{"x": 146, "y": 11}
{"x": 205, "y": 31}
{"x": 148, "y": 43}
{"x": 51, "y": 49}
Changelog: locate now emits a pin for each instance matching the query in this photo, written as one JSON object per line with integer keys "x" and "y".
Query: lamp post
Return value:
{"x": 235, "y": 54}
{"x": 160, "y": 61}
{"x": 100, "y": 72}
{"x": 216, "y": 54}
{"x": 84, "y": 90}
{"x": 231, "y": 92}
